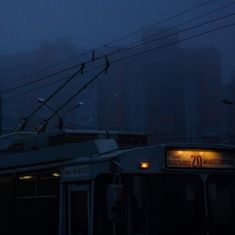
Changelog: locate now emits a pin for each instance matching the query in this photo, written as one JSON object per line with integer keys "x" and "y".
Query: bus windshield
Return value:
{"x": 221, "y": 202}
{"x": 164, "y": 205}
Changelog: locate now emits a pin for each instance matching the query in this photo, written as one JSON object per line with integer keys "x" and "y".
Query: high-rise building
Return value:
{"x": 21, "y": 102}
{"x": 171, "y": 93}
{"x": 121, "y": 97}
{"x": 183, "y": 94}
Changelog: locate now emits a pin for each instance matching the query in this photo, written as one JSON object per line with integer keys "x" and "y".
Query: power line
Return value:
{"x": 121, "y": 51}
{"x": 77, "y": 93}
{"x": 43, "y": 126}
{"x": 129, "y": 48}
{"x": 25, "y": 120}
{"x": 140, "y": 53}
{"x": 159, "y": 22}
{"x": 45, "y": 69}
{"x": 172, "y": 34}
{"x": 175, "y": 42}
{"x": 138, "y": 43}
{"x": 58, "y": 90}
{"x": 185, "y": 22}
{"x": 47, "y": 84}
{"x": 35, "y": 89}
{"x": 115, "y": 41}
{"x": 41, "y": 79}
{"x": 169, "y": 44}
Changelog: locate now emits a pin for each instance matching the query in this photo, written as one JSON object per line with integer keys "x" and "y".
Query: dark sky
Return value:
{"x": 86, "y": 23}
{"x": 90, "y": 23}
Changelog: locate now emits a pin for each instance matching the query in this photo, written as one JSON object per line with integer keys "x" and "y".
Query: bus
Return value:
{"x": 73, "y": 183}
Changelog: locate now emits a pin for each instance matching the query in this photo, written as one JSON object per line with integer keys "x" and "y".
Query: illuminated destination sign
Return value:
{"x": 200, "y": 158}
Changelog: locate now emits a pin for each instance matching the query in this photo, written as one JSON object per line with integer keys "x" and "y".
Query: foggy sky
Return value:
{"x": 90, "y": 23}
{"x": 87, "y": 23}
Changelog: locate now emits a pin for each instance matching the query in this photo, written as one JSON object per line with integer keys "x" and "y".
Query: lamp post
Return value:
{"x": 60, "y": 119}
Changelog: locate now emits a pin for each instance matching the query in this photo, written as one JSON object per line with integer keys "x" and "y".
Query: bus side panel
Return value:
{"x": 7, "y": 205}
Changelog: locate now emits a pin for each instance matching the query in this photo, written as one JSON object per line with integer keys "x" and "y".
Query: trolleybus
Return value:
{"x": 58, "y": 185}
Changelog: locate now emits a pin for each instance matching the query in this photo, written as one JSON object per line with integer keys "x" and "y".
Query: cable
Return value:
{"x": 166, "y": 45}
{"x": 41, "y": 79}
{"x": 144, "y": 52}
{"x": 175, "y": 42}
{"x": 58, "y": 90}
{"x": 123, "y": 50}
{"x": 172, "y": 34}
{"x": 185, "y": 22}
{"x": 35, "y": 89}
{"x": 44, "y": 124}
{"x": 145, "y": 43}
{"x": 45, "y": 85}
{"x": 79, "y": 91}
{"x": 23, "y": 123}
{"x": 45, "y": 69}
{"x": 116, "y": 40}
{"x": 159, "y": 22}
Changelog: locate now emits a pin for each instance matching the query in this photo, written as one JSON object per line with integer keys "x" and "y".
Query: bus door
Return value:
{"x": 79, "y": 209}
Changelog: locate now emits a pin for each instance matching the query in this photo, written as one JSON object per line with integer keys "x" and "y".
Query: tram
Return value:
{"x": 73, "y": 183}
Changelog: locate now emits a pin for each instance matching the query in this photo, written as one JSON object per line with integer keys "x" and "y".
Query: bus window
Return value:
{"x": 26, "y": 185}
{"x": 48, "y": 184}
{"x": 37, "y": 203}
{"x": 164, "y": 205}
{"x": 221, "y": 201}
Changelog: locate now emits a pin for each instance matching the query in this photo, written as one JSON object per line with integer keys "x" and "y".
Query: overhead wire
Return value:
{"x": 161, "y": 21}
{"x": 23, "y": 123}
{"x": 105, "y": 45}
{"x": 89, "y": 61}
{"x": 36, "y": 88}
{"x": 117, "y": 52}
{"x": 58, "y": 89}
{"x": 184, "y": 22}
{"x": 172, "y": 34}
{"x": 41, "y": 79}
{"x": 44, "y": 124}
{"x": 45, "y": 69}
{"x": 79, "y": 91}
{"x": 170, "y": 44}
{"x": 46, "y": 85}
{"x": 175, "y": 42}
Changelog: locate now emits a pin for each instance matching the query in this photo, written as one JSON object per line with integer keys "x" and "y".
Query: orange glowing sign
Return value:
{"x": 200, "y": 158}
{"x": 144, "y": 165}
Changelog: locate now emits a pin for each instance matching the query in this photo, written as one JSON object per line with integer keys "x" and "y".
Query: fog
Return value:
{"x": 35, "y": 34}
{"x": 86, "y": 23}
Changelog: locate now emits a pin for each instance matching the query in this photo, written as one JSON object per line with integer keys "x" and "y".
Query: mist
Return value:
{"x": 37, "y": 34}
